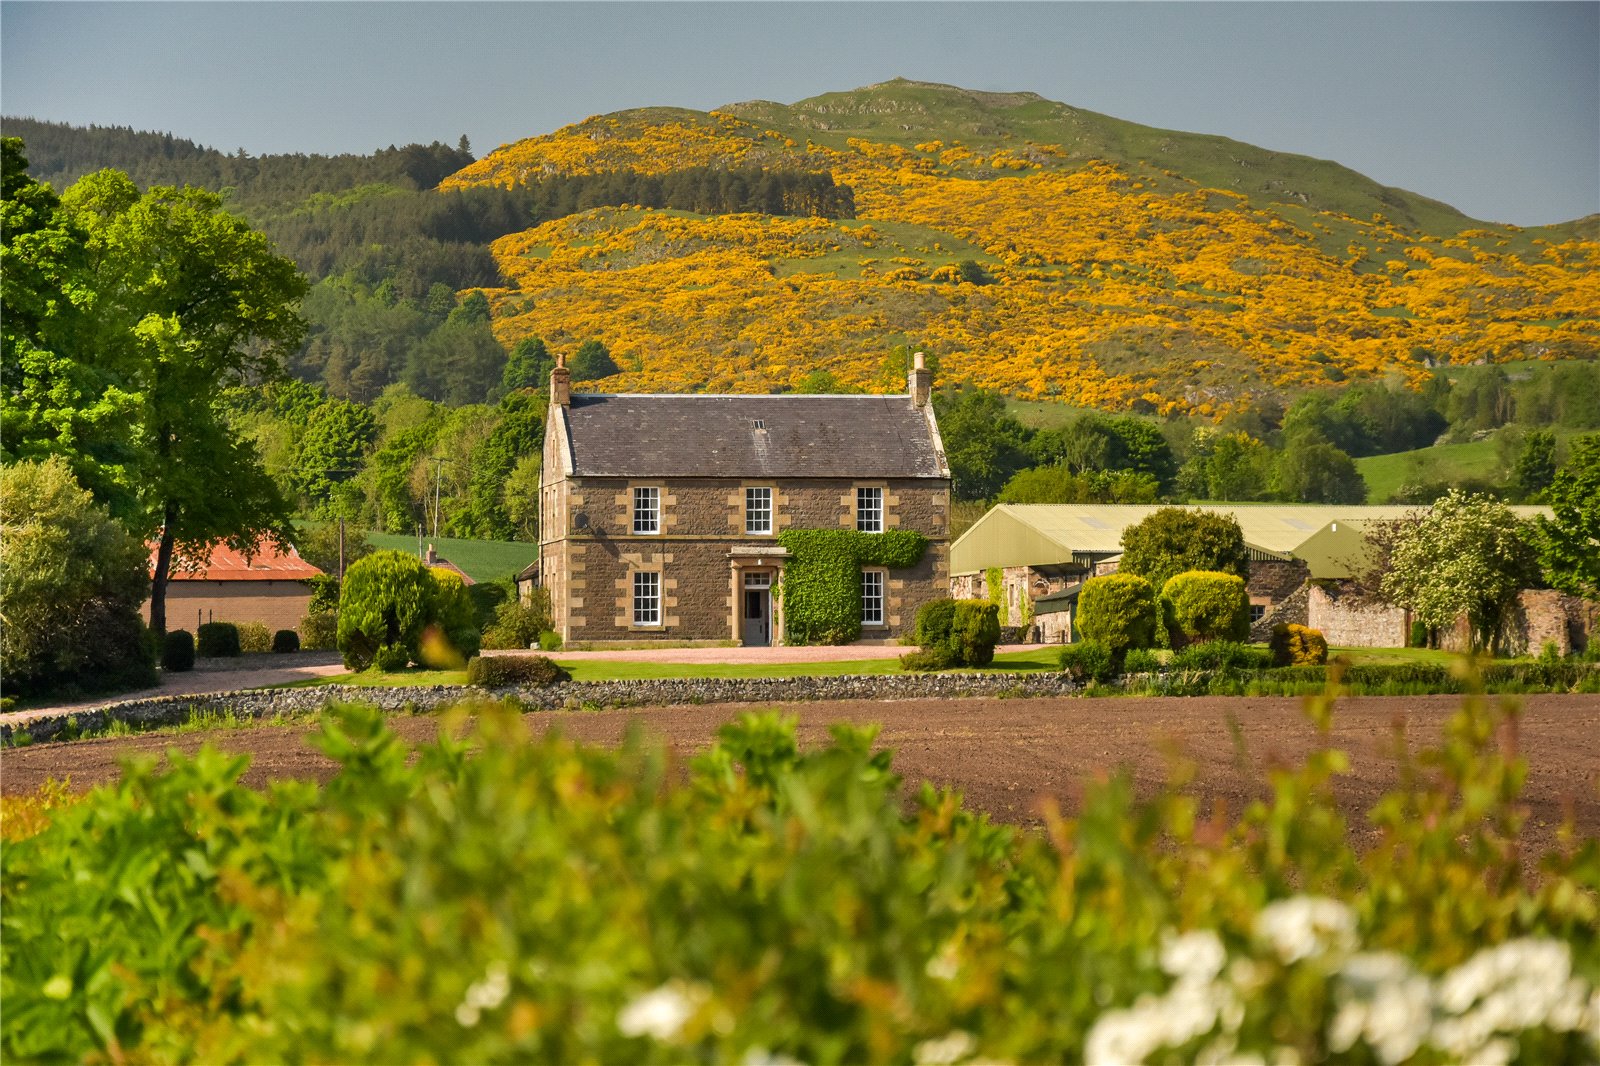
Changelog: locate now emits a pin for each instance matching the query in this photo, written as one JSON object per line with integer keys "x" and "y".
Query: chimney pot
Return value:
{"x": 561, "y": 382}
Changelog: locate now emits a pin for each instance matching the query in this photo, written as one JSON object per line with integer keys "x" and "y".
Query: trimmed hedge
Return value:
{"x": 1376, "y": 679}
{"x": 1222, "y": 655}
{"x": 1117, "y": 611}
{"x": 177, "y": 651}
{"x": 254, "y": 637}
{"x": 497, "y": 671}
{"x": 285, "y": 641}
{"x": 218, "y": 640}
{"x": 1205, "y": 606}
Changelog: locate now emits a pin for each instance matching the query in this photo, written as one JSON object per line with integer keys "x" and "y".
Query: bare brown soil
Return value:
{"x": 1006, "y": 756}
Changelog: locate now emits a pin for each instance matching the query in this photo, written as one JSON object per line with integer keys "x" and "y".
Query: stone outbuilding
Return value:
{"x": 661, "y": 514}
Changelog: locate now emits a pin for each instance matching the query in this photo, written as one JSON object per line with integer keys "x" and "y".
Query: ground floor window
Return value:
{"x": 872, "y": 597}
{"x": 646, "y": 598}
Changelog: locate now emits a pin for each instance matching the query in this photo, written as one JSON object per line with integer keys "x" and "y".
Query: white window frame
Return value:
{"x": 758, "y": 520}
{"x": 874, "y": 597}
{"x": 646, "y": 510}
{"x": 869, "y": 509}
{"x": 647, "y": 597}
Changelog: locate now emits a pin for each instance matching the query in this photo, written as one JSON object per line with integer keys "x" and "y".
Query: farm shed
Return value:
{"x": 266, "y": 586}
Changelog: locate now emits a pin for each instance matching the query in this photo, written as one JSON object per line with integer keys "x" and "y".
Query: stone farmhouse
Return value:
{"x": 1302, "y": 560}
{"x": 661, "y": 514}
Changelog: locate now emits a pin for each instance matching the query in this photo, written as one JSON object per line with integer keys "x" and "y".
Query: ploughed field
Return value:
{"x": 1007, "y": 756}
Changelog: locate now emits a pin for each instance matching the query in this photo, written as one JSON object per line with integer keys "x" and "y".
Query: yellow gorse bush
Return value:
{"x": 1111, "y": 288}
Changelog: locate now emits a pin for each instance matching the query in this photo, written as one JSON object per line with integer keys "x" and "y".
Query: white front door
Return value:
{"x": 756, "y": 610}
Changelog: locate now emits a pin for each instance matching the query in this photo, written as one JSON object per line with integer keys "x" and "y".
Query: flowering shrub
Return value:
{"x": 506, "y": 898}
{"x": 1297, "y": 645}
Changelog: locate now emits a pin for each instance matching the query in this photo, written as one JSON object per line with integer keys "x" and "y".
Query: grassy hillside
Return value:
{"x": 483, "y": 560}
{"x": 1127, "y": 267}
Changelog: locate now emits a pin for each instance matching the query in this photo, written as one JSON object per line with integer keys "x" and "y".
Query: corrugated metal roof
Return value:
{"x": 223, "y": 563}
{"x": 657, "y": 435}
{"x": 1035, "y": 534}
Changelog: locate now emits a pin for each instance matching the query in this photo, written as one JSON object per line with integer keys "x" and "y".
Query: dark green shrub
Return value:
{"x": 254, "y": 637}
{"x": 518, "y": 625}
{"x": 497, "y": 671}
{"x": 974, "y": 631}
{"x": 934, "y": 619}
{"x": 927, "y": 660}
{"x": 1419, "y": 636}
{"x": 1222, "y": 655}
{"x": 1297, "y": 645}
{"x": 388, "y": 598}
{"x": 285, "y": 641}
{"x": 1117, "y": 611}
{"x": 177, "y": 651}
{"x": 1141, "y": 661}
{"x": 550, "y": 640}
{"x": 319, "y": 631}
{"x": 1088, "y": 660}
{"x": 391, "y": 658}
{"x": 218, "y": 640}
{"x": 1206, "y": 605}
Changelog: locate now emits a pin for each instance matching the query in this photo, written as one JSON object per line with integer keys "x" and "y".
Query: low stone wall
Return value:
{"x": 268, "y": 703}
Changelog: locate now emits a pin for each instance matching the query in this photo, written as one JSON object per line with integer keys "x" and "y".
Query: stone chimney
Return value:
{"x": 561, "y": 383}
{"x": 921, "y": 380}
{"x": 431, "y": 557}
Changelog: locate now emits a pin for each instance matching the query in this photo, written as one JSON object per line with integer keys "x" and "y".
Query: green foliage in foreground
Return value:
{"x": 502, "y": 898}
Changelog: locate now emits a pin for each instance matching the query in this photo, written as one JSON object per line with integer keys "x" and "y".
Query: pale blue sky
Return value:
{"x": 1491, "y": 107}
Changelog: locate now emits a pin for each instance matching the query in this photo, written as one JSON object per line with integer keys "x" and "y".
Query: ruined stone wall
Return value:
{"x": 1332, "y": 609}
{"x": 1540, "y": 616}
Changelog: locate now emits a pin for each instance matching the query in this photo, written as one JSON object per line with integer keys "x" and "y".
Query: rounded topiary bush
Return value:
{"x": 177, "y": 651}
{"x": 1117, "y": 611}
{"x": 218, "y": 640}
{"x": 933, "y": 622}
{"x": 285, "y": 641}
{"x": 1206, "y": 605}
{"x": 954, "y": 633}
{"x": 1297, "y": 645}
{"x": 386, "y": 600}
{"x": 391, "y": 658}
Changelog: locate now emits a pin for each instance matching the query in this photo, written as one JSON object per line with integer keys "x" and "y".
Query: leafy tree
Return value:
{"x": 387, "y": 600}
{"x": 528, "y": 366}
{"x": 823, "y": 383}
{"x": 189, "y": 299}
{"x": 1055, "y": 484}
{"x": 71, "y": 581}
{"x": 1173, "y": 540}
{"x": 458, "y": 363}
{"x": 1569, "y": 545}
{"x": 972, "y": 271}
{"x": 521, "y": 498}
{"x": 983, "y": 443}
{"x": 1309, "y": 470}
{"x": 319, "y": 546}
{"x": 337, "y": 437}
{"x": 1535, "y": 466}
{"x": 57, "y": 394}
{"x": 1227, "y": 466}
{"x": 1468, "y": 556}
{"x": 593, "y": 361}
{"x": 519, "y": 432}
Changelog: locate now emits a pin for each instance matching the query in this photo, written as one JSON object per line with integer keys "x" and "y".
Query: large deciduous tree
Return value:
{"x": 1569, "y": 545}
{"x": 1468, "y": 556}
{"x": 188, "y": 300}
{"x": 1173, "y": 540}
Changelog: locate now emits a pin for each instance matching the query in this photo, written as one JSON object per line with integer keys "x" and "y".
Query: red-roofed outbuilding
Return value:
{"x": 266, "y": 586}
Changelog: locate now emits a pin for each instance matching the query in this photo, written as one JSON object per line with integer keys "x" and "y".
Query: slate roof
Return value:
{"x": 787, "y": 436}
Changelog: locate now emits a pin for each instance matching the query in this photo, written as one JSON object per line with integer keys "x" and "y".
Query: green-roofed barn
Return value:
{"x": 1034, "y": 557}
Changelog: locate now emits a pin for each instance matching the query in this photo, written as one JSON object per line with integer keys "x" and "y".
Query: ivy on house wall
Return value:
{"x": 822, "y": 579}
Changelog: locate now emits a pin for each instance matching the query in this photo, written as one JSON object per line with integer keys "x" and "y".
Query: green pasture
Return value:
{"x": 483, "y": 560}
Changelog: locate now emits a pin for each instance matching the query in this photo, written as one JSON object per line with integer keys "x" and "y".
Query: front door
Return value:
{"x": 756, "y": 629}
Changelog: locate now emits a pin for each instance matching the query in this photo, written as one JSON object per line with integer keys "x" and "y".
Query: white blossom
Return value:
{"x": 483, "y": 995}
{"x": 1384, "y": 1002}
{"x": 1198, "y": 955}
{"x": 661, "y": 1013}
{"x": 950, "y": 1048}
{"x": 1307, "y": 927}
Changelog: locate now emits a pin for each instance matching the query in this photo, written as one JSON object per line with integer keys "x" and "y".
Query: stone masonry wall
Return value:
{"x": 1344, "y": 624}
{"x": 570, "y": 695}
{"x": 701, "y": 525}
